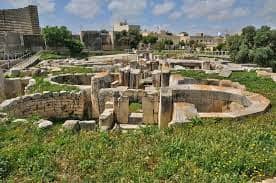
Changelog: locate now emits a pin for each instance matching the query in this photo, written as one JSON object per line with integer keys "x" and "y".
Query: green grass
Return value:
{"x": 135, "y": 107}
{"x": 213, "y": 151}
{"x": 43, "y": 85}
{"x": 74, "y": 70}
{"x": 51, "y": 55}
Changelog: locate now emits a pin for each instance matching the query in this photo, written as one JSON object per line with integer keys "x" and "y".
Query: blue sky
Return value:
{"x": 209, "y": 16}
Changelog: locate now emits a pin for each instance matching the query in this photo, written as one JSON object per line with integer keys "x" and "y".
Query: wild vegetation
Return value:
{"x": 43, "y": 85}
{"x": 211, "y": 150}
{"x": 61, "y": 37}
{"x": 74, "y": 70}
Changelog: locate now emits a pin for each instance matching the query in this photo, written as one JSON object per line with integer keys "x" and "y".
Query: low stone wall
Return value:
{"x": 46, "y": 105}
{"x": 180, "y": 80}
{"x": 72, "y": 79}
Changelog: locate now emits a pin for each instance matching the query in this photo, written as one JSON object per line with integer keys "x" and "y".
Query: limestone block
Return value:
{"x": 136, "y": 118}
{"x": 183, "y": 113}
{"x": 123, "y": 110}
{"x": 44, "y": 124}
{"x": 165, "y": 107}
{"x": 15, "y": 72}
{"x": 88, "y": 125}
{"x": 148, "y": 109}
{"x": 226, "y": 83}
{"x": 106, "y": 119}
{"x": 165, "y": 78}
{"x": 225, "y": 73}
{"x": 109, "y": 105}
{"x": 72, "y": 125}
{"x": 20, "y": 121}
{"x": 2, "y": 87}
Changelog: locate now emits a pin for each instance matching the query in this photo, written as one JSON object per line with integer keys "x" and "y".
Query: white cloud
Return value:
{"x": 269, "y": 7}
{"x": 163, "y": 8}
{"x": 176, "y": 15}
{"x": 268, "y": 12}
{"x": 214, "y": 10}
{"x": 84, "y": 8}
{"x": 126, "y": 8}
{"x": 44, "y": 6}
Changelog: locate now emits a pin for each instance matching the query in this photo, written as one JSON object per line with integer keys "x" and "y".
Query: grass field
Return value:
{"x": 213, "y": 151}
{"x": 43, "y": 85}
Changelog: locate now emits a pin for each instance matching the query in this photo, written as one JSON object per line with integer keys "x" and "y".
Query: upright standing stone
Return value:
{"x": 123, "y": 110}
{"x": 2, "y": 87}
{"x": 165, "y": 78}
{"x": 165, "y": 107}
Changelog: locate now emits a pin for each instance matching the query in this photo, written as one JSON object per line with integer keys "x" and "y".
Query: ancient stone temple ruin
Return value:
{"x": 164, "y": 97}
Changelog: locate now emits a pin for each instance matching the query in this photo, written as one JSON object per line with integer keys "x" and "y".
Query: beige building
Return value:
{"x": 124, "y": 26}
{"x": 210, "y": 41}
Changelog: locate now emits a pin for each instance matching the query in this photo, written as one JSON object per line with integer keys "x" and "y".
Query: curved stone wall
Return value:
{"x": 46, "y": 105}
{"x": 72, "y": 79}
{"x": 213, "y": 100}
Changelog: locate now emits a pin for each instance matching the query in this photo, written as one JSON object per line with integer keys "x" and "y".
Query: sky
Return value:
{"x": 192, "y": 16}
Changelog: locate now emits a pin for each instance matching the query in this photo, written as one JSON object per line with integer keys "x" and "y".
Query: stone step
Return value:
{"x": 131, "y": 126}
{"x": 135, "y": 118}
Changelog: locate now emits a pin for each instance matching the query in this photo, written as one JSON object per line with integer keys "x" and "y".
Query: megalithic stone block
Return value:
{"x": 165, "y": 107}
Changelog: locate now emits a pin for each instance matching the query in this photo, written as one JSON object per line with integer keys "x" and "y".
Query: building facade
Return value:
{"x": 20, "y": 30}
{"x": 124, "y": 26}
{"x": 22, "y": 20}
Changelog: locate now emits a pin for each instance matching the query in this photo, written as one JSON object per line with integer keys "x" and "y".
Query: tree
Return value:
{"x": 233, "y": 45}
{"x": 134, "y": 38}
{"x": 262, "y": 37}
{"x": 182, "y": 43}
{"x": 150, "y": 39}
{"x": 160, "y": 45}
{"x": 242, "y": 55}
{"x": 75, "y": 47}
{"x": 61, "y": 37}
{"x": 248, "y": 34}
{"x": 56, "y": 36}
{"x": 262, "y": 56}
{"x": 221, "y": 47}
{"x": 254, "y": 46}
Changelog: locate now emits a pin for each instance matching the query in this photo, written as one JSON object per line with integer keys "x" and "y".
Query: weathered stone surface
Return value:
{"x": 106, "y": 120}
{"x": 72, "y": 125}
{"x": 123, "y": 110}
{"x": 44, "y": 124}
{"x": 135, "y": 118}
{"x": 20, "y": 121}
{"x": 46, "y": 105}
{"x": 165, "y": 107}
{"x": 2, "y": 87}
{"x": 88, "y": 125}
{"x": 225, "y": 73}
{"x": 183, "y": 113}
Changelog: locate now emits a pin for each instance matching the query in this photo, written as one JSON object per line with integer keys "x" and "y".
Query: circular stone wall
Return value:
{"x": 73, "y": 79}
{"x": 217, "y": 101}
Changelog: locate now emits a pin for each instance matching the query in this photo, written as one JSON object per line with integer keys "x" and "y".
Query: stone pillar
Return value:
{"x": 156, "y": 78}
{"x": 123, "y": 110}
{"x": 165, "y": 107}
{"x": 2, "y": 87}
{"x": 95, "y": 88}
{"x": 165, "y": 78}
{"x": 134, "y": 79}
{"x": 150, "y": 108}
